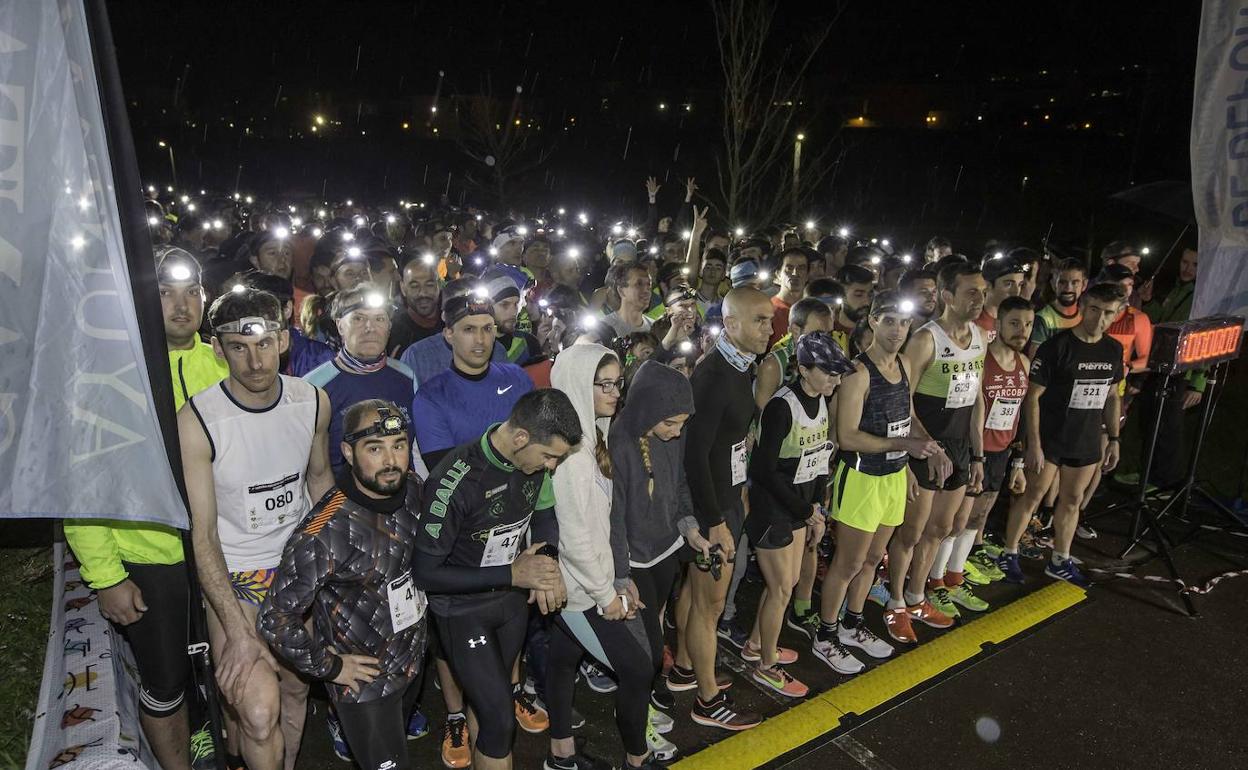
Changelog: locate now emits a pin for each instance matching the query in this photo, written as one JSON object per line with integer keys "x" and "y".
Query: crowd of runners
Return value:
{"x": 456, "y": 455}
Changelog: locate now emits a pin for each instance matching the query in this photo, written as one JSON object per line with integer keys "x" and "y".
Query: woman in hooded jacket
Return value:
{"x": 651, "y": 510}
{"x": 597, "y": 619}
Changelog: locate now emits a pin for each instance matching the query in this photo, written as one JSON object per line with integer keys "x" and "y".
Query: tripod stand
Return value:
{"x": 1146, "y": 519}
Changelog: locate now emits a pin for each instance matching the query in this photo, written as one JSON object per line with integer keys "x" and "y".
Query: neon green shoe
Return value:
{"x": 973, "y": 574}
{"x": 940, "y": 599}
{"x": 987, "y": 565}
{"x": 961, "y": 595}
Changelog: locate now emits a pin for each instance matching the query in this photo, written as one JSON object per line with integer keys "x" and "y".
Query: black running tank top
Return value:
{"x": 885, "y": 413}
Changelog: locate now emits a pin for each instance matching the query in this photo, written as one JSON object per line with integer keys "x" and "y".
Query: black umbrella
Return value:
{"x": 1170, "y": 198}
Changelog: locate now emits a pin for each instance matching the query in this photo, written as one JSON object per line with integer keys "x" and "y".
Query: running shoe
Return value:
{"x": 531, "y": 717}
{"x": 986, "y": 563}
{"x": 455, "y": 749}
{"x": 578, "y": 719}
{"x": 341, "y": 749}
{"x": 203, "y": 752}
{"x": 836, "y": 655}
{"x": 862, "y": 638}
{"x": 681, "y": 679}
{"x": 879, "y": 594}
{"x": 974, "y": 574}
{"x": 897, "y": 623}
{"x": 1084, "y": 532}
{"x": 779, "y": 680}
{"x": 939, "y": 599}
{"x": 652, "y": 762}
{"x": 1068, "y": 572}
{"x": 730, "y": 632}
{"x": 752, "y": 654}
{"x": 578, "y": 761}
{"x": 1031, "y": 549}
{"x": 927, "y": 614}
{"x": 660, "y": 747}
{"x": 963, "y": 597}
{"x": 417, "y": 725}
{"x": 994, "y": 550}
{"x": 806, "y": 624}
{"x": 1011, "y": 568}
{"x": 598, "y": 680}
{"x": 662, "y": 698}
{"x": 721, "y": 713}
{"x": 661, "y": 722}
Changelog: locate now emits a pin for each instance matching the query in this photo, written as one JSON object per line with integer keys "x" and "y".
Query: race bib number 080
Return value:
{"x": 272, "y": 503}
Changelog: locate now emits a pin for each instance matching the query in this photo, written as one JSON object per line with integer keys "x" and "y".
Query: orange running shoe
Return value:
{"x": 897, "y": 622}
{"x": 781, "y": 681}
{"x": 926, "y": 613}
{"x": 531, "y": 717}
{"x": 456, "y": 751}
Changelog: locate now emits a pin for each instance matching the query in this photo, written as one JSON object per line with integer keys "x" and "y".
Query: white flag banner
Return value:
{"x": 78, "y": 434}
{"x": 1220, "y": 158}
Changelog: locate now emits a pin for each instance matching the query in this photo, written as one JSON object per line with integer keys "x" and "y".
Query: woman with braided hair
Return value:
{"x": 651, "y": 511}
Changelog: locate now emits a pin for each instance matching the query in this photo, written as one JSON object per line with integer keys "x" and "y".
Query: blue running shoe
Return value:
{"x": 732, "y": 633}
{"x": 417, "y": 725}
{"x": 1012, "y": 569}
{"x": 341, "y": 749}
{"x": 1067, "y": 571}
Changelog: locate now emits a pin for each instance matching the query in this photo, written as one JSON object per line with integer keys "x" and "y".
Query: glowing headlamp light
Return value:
{"x": 251, "y": 325}
{"x": 387, "y": 424}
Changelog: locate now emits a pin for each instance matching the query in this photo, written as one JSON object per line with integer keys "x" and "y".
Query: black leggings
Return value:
{"x": 619, "y": 644}
{"x": 377, "y": 730}
{"x": 654, "y": 586}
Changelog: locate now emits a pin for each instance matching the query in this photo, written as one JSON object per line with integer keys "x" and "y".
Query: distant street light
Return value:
{"x": 173, "y": 169}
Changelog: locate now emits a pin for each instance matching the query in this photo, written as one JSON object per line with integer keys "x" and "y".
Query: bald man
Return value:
{"x": 715, "y": 463}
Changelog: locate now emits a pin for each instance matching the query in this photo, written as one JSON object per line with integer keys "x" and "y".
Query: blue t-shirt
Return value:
{"x": 455, "y": 408}
{"x": 429, "y": 357}
{"x": 393, "y": 382}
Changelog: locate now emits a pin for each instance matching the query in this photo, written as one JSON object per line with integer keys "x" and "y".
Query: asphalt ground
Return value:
{"x": 1123, "y": 678}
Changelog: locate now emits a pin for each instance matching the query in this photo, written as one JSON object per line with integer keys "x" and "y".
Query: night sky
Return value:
{"x": 998, "y": 69}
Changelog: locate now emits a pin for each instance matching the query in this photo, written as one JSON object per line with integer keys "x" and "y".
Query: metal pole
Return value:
{"x": 797, "y": 175}
{"x": 173, "y": 169}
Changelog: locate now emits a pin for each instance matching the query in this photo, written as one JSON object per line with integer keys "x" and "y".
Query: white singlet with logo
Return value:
{"x": 259, "y": 457}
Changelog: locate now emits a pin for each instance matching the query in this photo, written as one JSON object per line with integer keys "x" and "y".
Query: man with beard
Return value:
{"x": 1004, "y": 387}
{"x": 500, "y": 286}
{"x": 946, "y": 357}
{"x": 937, "y": 249}
{"x": 1005, "y": 277}
{"x": 244, "y": 504}
{"x": 418, "y": 317}
{"x": 1072, "y": 398}
{"x": 138, "y": 570}
{"x": 859, "y": 285}
{"x": 1069, "y": 279}
{"x": 793, "y": 269}
{"x": 919, "y": 285}
{"x": 349, "y": 565}
{"x": 715, "y": 462}
{"x": 361, "y": 370}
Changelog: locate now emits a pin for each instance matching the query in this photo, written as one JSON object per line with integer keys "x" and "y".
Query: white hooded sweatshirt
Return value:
{"x": 582, "y": 493}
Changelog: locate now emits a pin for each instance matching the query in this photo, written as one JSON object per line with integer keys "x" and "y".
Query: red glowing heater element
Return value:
{"x": 1204, "y": 342}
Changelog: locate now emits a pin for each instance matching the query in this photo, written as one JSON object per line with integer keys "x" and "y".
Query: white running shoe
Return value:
{"x": 862, "y": 638}
{"x": 837, "y": 656}
{"x": 662, "y": 722}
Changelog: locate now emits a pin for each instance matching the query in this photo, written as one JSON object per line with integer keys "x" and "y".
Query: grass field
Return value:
{"x": 25, "y": 600}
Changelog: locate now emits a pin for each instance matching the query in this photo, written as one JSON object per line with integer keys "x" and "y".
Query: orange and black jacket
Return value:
{"x": 339, "y": 564}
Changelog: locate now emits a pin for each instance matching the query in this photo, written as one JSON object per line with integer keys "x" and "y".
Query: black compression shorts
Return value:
{"x": 959, "y": 452}
{"x": 996, "y": 468}
{"x": 481, "y": 638}
{"x": 159, "y": 637}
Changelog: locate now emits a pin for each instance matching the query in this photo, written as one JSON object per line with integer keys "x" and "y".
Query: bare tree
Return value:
{"x": 756, "y": 168}
{"x": 495, "y": 133}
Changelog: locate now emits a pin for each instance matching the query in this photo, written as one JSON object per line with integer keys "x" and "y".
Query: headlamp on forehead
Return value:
{"x": 374, "y": 300}
{"x": 178, "y": 273}
{"x": 387, "y": 424}
{"x": 427, "y": 259}
{"x": 906, "y": 306}
{"x": 251, "y": 325}
{"x": 281, "y": 232}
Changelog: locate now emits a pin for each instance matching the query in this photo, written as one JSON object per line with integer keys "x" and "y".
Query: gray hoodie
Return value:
{"x": 646, "y": 527}
{"x": 582, "y": 493}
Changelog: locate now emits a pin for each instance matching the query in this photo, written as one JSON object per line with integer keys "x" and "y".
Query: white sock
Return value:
{"x": 913, "y": 599}
{"x": 963, "y": 544}
{"x": 942, "y": 559}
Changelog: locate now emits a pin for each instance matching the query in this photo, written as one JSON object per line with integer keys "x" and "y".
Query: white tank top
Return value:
{"x": 259, "y": 458}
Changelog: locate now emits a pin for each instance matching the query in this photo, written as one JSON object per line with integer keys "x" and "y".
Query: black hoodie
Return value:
{"x": 644, "y": 526}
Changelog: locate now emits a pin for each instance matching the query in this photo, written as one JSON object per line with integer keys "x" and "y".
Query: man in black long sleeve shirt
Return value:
{"x": 481, "y": 501}
{"x": 715, "y": 464}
